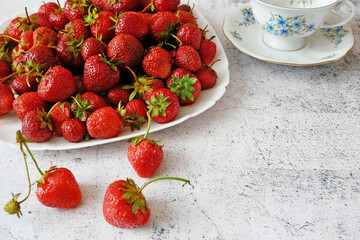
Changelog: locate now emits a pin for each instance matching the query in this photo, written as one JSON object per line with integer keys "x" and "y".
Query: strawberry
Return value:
{"x": 156, "y": 84}
{"x": 76, "y": 9}
{"x": 124, "y": 204}
{"x": 5, "y": 69}
{"x": 185, "y": 17}
{"x": 185, "y": 85}
{"x": 80, "y": 108}
{"x": 162, "y": 24}
{"x": 207, "y": 76}
{"x": 93, "y": 100}
{"x": 6, "y": 99}
{"x": 145, "y": 154}
{"x": 69, "y": 50}
{"x": 19, "y": 25}
{"x": 44, "y": 37}
{"x": 26, "y": 41}
{"x": 23, "y": 84}
{"x": 104, "y": 123}
{"x": 37, "y": 126}
{"x": 6, "y": 46}
{"x": 73, "y": 130}
{"x": 58, "y": 115}
{"x": 92, "y": 47}
{"x": 132, "y": 23}
{"x": 100, "y": 74}
{"x": 118, "y": 6}
{"x": 57, "y": 85}
{"x": 57, "y": 18}
{"x": 101, "y": 24}
{"x": 207, "y": 51}
{"x": 185, "y": 7}
{"x": 27, "y": 102}
{"x": 58, "y": 188}
{"x": 118, "y": 94}
{"x": 77, "y": 29}
{"x": 126, "y": 48}
{"x": 190, "y": 35}
{"x": 135, "y": 114}
{"x": 166, "y": 5}
{"x": 48, "y": 8}
{"x": 163, "y": 105}
{"x": 157, "y": 63}
{"x": 40, "y": 57}
{"x": 187, "y": 57}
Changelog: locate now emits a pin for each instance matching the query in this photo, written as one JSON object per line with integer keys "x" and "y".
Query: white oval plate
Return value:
{"x": 10, "y": 123}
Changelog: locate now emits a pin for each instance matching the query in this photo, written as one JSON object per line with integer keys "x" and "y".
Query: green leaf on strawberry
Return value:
{"x": 183, "y": 87}
{"x": 157, "y": 105}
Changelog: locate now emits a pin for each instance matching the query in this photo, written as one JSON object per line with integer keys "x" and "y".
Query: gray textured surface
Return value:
{"x": 276, "y": 158}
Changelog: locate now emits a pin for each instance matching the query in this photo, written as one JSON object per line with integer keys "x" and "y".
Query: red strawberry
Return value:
{"x": 58, "y": 19}
{"x": 6, "y": 99}
{"x": 45, "y": 37}
{"x": 19, "y": 25}
{"x": 118, "y": 6}
{"x": 101, "y": 24}
{"x": 57, "y": 85}
{"x": 132, "y": 23}
{"x": 92, "y": 47}
{"x": 40, "y": 55}
{"x": 73, "y": 130}
{"x": 126, "y": 48}
{"x": 207, "y": 76}
{"x": 76, "y": 9}
{"x": 104, "y": 123}
{"x": 80, "y": 108}
{"x": 69, "y": 50}
{"x": 185, "y": 17}
{"x": 207, "y": 51}
{"x": 118, "y": 94}
{"x": 95, "y": 101}
{"x": 48, "y": 8}
{"x": 163, "y": 105}
{"x": 135, "y": 114}
{"x": 27, "y": 102}
{"x": 100, "y": 74}
{"x": 5, "y": 69}
{"x": 24, "y": 83}
{"x": 41, "y": 19}
{"x": 124, "y": 204}
{"x": 187, "y": 57}
{"x": 157, "y": 63}
{"x": 185, "y": 7}
{"x": 6, "y": 46}
{"x": 145, "y": 154}
{"x": 37, "y": 126}
{"x": 156, "y": 84}
{"x": 166, "y": 5}
{"x": 162, "y": 24}
{"x": 80, "y": 88}
{"x": 58, "y": 188}
{"x": 26, "y": 40}
{"x": 190, "y": 35}
{"x": 77, "y": 29}
{"x": 59, "y": 114}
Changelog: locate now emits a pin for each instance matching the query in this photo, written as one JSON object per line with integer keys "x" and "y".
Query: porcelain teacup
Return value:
{"x": 287, "y": 23}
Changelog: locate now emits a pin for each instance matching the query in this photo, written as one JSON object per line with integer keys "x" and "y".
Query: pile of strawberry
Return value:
{"x": 90, "y": 68}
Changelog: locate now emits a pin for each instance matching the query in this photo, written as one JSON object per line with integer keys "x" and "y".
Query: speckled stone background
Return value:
{"x": 276, "y": 158}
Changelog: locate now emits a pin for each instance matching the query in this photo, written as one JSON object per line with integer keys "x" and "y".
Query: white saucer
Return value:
{"x": 324, "y": 46}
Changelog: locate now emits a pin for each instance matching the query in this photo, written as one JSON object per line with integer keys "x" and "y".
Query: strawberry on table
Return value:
{"x": 124, "y": 204}
{"x": 163, "y": 105}
{"x": 145, "y": 154}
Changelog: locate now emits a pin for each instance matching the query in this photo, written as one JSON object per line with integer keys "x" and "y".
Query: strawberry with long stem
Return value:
{"x": 124, "y": 204}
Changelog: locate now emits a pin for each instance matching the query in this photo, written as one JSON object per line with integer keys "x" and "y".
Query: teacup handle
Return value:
{"x": 345, "y": 20}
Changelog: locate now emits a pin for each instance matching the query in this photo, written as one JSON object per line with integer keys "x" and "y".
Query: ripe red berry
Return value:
{"x": 59, "y": 114}
{"x": 37, "y": 126}
{"x": 190, "y": 35}
{"x": 118, "y": 94}
{"x": 207, "y": 51}
{"x": 73, "y": 130}
{"x": 132, "y": 23}
{"x": 163, "y": 105}
{"x": 157, "y": 63}
{"x": 6, "y": 99}
{"x": 27, "y": 102}
{"x": 93, "y": 100}
{"x": 187, "y": 57}
{"x": 207, "y": 77}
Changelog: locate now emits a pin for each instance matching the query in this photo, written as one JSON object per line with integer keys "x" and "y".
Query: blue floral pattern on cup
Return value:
{"x": 236, "y": 35}
{"x": 335, "y": 35}
{"x": 303, "y": 2}
{"x": 248, "y": 17}
{"x": 287, "y": 27}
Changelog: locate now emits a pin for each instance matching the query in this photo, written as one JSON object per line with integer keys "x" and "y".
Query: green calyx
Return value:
{"x": 13, "y": 206}
{"x": 137, "y": 140}
{"x": 113, "y": 65}
{"x": 80, "y": 108}
{"x": 75, "y": 45}
{"x": 158, "y": 105}
{"x": 90, "y": 19}
{"x": 80, "y": 4}
{"x": 134, "y": 194}
{"x": 31, "y": 69}
{"x": 112, "y": 2}
{"x": 134, "y": 120}
{"x": 168, "y": 30}
{"x": 183, "y": 87}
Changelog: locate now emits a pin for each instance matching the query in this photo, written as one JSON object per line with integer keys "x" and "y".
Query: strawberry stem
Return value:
{"x": 218, "y": 60}
{"x": 22, "y": 140}
{"x": 7, "y": 36}
{"x": 7, "y": 77}
{"x": 165, "y": 178}
{"x": 52, "y": 108}
{"x": 27, "y": 16}
{"x": 149, "y": 124}
{"x": 27, "y": 171}
{"x": 59, "y": 5}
